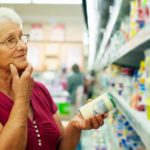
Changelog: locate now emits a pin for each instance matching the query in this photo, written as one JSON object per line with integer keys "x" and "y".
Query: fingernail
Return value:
{"x": 11, "y": 65}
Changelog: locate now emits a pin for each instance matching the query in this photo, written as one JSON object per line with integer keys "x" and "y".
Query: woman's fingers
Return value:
{"x": 100, "y": 120}
{"x": 13, "y": 71}
{"x": 92, "y": 123}
{"x": 105, "y": 115}
{"x": 27, "y": 71}
{"x": 97, "y": 121}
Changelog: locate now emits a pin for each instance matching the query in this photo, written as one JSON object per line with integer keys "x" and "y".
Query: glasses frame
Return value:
{"x": 24, "y": 38}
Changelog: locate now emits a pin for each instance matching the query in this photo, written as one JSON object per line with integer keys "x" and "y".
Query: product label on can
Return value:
{"x": 100, "y": 107}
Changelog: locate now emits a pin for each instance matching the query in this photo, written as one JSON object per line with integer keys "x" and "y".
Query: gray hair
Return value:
{"x": 8, "y": 14}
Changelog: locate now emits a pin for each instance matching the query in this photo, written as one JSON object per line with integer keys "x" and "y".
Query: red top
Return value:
{"x": 43, "y": 133}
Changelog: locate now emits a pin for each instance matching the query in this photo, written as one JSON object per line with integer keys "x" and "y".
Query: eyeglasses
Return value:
{"x": 12, "y": 42}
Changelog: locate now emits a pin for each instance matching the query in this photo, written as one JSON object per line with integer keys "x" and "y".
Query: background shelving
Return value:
{"x": 137, "y": 119}
{"x": 123, "y": 42}
{"x": 131, "y": 53}
{"x": 109, "y": 29}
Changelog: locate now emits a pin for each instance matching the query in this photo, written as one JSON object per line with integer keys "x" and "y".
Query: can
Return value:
{"x": 101, "y": 105}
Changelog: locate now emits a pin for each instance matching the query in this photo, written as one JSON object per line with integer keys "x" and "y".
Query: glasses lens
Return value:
{"x": 25, "y": 38}
{"x": 11, "y": 43}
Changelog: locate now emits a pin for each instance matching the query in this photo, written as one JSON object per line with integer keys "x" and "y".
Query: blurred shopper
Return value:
{"x": 93, "y": 75}
{"x": 63, "y": 78}
{"x": 93, "y": 85}
{"x": 88, "y": 87}
{"x": 75, "y": 84}
{"x": 28, "y": 114}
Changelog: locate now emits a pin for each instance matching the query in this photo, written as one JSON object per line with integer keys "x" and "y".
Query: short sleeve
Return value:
{"x": 49, "y": 98}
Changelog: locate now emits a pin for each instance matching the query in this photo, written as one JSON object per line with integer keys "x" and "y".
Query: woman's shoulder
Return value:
{"x": 40, "y": 89}
{"x": 41, "y": 93}
{"x": 39, "y": 85}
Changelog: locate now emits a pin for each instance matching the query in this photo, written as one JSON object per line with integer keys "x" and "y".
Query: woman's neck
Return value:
{"x": 5, "y": 82}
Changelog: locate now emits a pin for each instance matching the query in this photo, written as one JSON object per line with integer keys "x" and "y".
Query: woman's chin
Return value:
{"x": 22, "y": 66}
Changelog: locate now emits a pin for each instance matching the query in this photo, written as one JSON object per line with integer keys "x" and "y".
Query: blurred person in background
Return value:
{"x": 28, "y": 114}
{"x": 93, "y": 75}
{"x": 93, "y": 84}
{"x": 75, "y": 84}
{"x": 88, "y": 87}
{"x": 63, "y": 78}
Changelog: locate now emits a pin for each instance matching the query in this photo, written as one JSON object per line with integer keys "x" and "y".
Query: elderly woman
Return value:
{"x": 28, "y": 115}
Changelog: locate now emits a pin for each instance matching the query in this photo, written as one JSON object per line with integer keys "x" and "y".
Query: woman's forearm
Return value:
{"x": 70, "y": 139}
{"x": 14, "y": 134}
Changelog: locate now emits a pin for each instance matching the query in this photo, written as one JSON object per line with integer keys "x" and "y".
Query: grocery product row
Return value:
{"x": 129, "y": 34}
{"x": 122, "y": 60}
{"x": 116, "y": 134}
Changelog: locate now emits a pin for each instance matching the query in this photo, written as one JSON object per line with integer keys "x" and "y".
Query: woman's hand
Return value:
{"x": 93, "y": 123}
{"x": 21, "y": 85}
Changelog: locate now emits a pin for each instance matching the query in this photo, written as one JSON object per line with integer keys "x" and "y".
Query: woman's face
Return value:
{"x": 17, "y": 55}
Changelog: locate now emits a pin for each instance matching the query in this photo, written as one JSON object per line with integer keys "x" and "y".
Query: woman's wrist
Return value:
{"x": 74, "y": 123}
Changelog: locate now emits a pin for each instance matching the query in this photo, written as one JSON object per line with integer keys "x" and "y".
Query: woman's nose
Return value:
{"x": 21, "y": 45}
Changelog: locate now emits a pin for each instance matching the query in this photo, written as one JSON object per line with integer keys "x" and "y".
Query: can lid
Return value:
{"x": 112, "y": 99}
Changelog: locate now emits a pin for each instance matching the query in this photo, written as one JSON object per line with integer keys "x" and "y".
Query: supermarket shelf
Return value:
{"x": 137, "y": 119}
{"x": 109, "y": 29}
{"x": 132, "y": 52}
{"x": 111, "y": 139}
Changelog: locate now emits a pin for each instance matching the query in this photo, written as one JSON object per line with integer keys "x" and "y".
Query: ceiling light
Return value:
{"x": 57, "y": 1}
{"x": 15, "y": 1}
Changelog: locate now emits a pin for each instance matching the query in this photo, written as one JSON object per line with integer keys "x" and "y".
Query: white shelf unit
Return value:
{"x": 109, "y": 29}
{"x": 111, "y": 139}
{"x": 131, "y": 53}
{"x": 137, "y": 119}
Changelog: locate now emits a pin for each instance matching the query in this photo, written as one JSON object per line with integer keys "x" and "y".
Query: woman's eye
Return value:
{"x": 12, "y": 40}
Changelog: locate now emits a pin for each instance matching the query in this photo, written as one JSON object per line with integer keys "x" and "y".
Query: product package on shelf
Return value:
{"x": 98, "y": 141}
{"x": 126, "y": 135}
{"x": 147, "y": 66}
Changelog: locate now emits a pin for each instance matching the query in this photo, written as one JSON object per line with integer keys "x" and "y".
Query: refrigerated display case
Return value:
{"x": 125, "y": 42}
